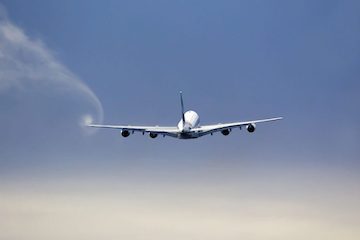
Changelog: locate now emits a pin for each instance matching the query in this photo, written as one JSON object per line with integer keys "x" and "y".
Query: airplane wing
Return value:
{"x": 207, "y": 129}
{"x": 168, "y": 131}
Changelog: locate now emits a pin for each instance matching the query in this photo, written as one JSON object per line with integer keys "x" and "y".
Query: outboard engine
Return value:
{"x": 251, "y": 127}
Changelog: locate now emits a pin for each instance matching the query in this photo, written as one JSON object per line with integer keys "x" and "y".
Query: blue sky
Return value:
{"x": 234, "y": 60}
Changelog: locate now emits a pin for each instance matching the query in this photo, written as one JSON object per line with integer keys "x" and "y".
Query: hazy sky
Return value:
{"x": 124, "y": 62}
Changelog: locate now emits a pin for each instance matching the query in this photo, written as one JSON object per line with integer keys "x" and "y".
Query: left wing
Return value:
{"x": 207, "y": 129}
{"x": 169, "y": 131}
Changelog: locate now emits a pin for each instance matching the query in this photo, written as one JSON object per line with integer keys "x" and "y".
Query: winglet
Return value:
{"x": 182, "y": 108}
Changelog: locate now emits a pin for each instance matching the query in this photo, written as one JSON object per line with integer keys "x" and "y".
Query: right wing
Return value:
{"x": 207, "y": 129}
{"x": 168, "y": 131}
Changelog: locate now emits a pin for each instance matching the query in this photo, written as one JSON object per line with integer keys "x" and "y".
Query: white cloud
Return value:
{"x": 26, "y": 63}
{"x": 173, "y": 214}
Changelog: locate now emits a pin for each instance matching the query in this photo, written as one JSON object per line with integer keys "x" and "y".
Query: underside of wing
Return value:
{"x": 226, "y": 127}
{"x": 168, "y": 131}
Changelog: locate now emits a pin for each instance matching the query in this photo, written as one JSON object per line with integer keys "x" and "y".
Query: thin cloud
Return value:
{"x": 26, "y": 63}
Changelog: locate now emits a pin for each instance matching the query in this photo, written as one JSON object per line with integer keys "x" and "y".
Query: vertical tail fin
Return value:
{"x": 182, "y": 108}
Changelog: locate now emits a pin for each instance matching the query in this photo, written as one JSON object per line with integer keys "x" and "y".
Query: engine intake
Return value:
{"x": 251, "y": 127}
{"x": 225, "y": 132}
{"x": 153, "y": 135}
{"x": 125, "y": 133}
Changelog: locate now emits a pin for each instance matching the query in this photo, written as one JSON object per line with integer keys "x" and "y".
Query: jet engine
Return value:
{"x": 225, "y": 132}
{"x": 153, "y": 135}
{"x": 125, "y": 133}
{"x": 251, "y": 127}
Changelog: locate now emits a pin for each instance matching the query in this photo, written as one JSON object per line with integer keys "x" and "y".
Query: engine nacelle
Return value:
{"x": 251, "y": 127}
{"x": 153, "y": 135}
{"x": 225, "y": 132}
{"x": 125, "y": 133}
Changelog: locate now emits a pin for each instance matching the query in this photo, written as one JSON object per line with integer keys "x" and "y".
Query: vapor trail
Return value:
{"x": 26, "y": 63}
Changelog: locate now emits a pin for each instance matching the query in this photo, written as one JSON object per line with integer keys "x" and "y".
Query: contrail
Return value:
{"x": 26, "y": 63}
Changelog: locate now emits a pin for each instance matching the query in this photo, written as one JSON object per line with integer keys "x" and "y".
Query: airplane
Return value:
{"x": 188, "y": 127}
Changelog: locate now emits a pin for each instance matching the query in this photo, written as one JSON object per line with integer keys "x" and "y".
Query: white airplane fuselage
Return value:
{"x": 192, "y": 120}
